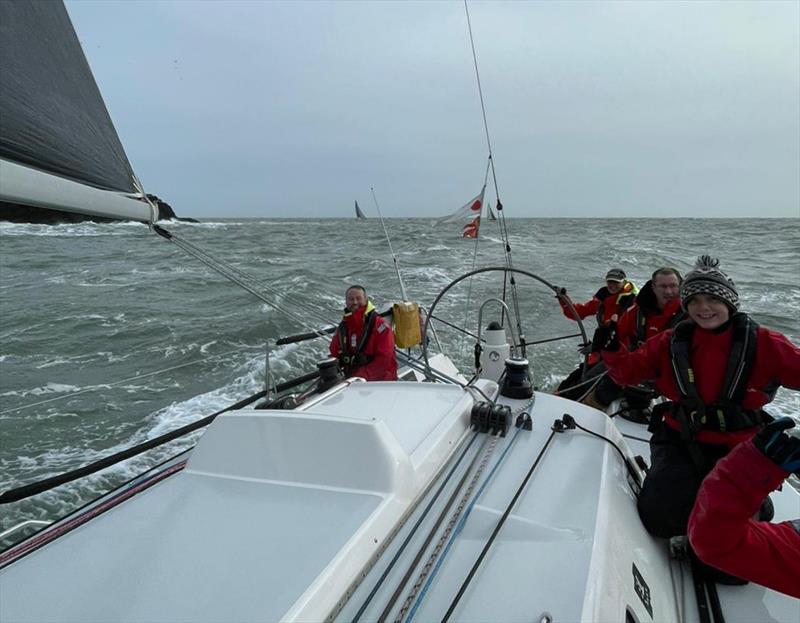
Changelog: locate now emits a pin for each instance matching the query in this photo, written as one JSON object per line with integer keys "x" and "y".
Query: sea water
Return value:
{"x": 111, "y": 335}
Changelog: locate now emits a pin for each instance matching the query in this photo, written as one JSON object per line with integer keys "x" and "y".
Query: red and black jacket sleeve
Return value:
{"x": 723, "y": 533}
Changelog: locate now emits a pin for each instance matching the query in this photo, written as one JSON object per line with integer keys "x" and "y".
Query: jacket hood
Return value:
{"x": 646, "y": 299}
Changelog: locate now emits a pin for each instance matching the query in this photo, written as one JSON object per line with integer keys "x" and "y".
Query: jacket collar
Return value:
{"x": 357, "y": 316}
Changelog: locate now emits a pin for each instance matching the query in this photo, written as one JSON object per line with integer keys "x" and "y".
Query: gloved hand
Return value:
{"x": 780, "y": 448}
{"x": 605, "y": 338}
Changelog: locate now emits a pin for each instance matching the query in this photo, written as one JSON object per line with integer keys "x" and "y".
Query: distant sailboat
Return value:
{"x": 492, "y": 215}
{"x": 359, "y": 213}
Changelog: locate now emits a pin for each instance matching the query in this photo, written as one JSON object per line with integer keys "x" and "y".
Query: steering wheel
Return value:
{"x": 505, "y": 270}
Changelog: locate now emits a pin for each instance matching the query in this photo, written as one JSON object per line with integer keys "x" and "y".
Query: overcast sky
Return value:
{"x": 280, "y": 109}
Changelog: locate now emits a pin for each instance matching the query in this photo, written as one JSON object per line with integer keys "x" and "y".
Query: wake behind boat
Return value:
{"x": 429, "y": 498}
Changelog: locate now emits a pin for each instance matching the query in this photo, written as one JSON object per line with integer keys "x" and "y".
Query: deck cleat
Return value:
{"x": 524, "y": 422}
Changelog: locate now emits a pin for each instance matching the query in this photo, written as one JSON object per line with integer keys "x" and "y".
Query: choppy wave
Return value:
{"x": 82, "y": 307}
{"x": 70, "y": 230}
{"x": 50, "y": 388}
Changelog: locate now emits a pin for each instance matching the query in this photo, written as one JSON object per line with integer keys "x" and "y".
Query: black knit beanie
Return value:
{"x": 707, "y": 278}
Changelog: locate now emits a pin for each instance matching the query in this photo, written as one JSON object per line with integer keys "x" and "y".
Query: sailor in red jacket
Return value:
{"x": 657, "y": 307}
{"x": 363, "y": 342}
{"x": 609, "y": 301}
{"x": 721, "y": 528}
{"x": 607, "y": 305}
{"x": 717, "y": 370}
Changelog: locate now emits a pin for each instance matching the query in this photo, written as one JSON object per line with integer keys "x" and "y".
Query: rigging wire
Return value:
{"x": 247, "y": 281}
{"x": 500, "y": 213}
{"x": 389, "y": 240}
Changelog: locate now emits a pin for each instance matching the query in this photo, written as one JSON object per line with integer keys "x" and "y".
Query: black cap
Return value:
{"x": 615, "y": 274}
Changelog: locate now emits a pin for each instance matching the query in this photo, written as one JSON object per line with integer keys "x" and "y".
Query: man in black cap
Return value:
{"x": 607, "y": 305}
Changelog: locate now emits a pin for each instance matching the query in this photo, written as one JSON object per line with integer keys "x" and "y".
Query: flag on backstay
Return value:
{"x": 468, "y": 214}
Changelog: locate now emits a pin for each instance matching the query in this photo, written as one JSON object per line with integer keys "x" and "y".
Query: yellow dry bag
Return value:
{"x": 406, "y": 324}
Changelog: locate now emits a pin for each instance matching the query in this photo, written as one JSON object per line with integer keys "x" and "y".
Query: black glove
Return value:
{"x": 605, "y": 338}
{"x": 780, "y": 448}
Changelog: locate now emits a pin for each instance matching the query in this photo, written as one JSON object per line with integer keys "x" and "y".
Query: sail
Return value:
{"x": 492, "y": 215}
{"x": 58, "y": 145}
{"x": 359, "y": 213}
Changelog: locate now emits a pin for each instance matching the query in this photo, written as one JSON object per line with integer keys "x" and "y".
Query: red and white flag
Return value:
{"x": 469, "y": 214}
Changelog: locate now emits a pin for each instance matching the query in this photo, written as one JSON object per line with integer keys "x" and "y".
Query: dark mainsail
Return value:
{"x": 58, "y": 147}
{"x": 359, "y": 213}
{"x": 52, "y": 116}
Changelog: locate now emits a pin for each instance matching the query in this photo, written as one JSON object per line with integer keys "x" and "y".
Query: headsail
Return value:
{"x": 359, "y": 213}
{"x": 58, "y": 146}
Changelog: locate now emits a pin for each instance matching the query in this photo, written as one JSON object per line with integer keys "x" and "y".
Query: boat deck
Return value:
{"x": 333, "y": 511}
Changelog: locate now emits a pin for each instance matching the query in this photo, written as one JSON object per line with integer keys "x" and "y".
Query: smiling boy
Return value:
{"x": 717, "y": 369}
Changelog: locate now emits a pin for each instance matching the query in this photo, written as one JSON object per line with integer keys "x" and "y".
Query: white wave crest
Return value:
{"x": 49, "y": 388}
{"x": 72, "y": 230}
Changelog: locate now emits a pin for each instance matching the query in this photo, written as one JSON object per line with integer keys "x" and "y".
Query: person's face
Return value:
{"x": 614, "y": 286}
{"x": 707, "y": 311}
{"x": 355, "y": 298}
{"x": 666, "y": 288}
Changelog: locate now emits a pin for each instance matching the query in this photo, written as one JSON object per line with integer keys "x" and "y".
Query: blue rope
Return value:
{"x": 460, "y": 526}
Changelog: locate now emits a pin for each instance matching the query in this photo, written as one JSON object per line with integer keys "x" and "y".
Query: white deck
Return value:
{"x": 281, "y": 515}
{"x": 273, "y": 516}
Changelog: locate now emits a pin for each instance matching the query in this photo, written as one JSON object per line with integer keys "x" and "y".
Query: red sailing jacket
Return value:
{"x": 610, "y": 304}
{"x": 379, "y": 346}
{"x": 723, "y": 533}
{"x": 655, "y": 320}
{"x": 777, "y": 363}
